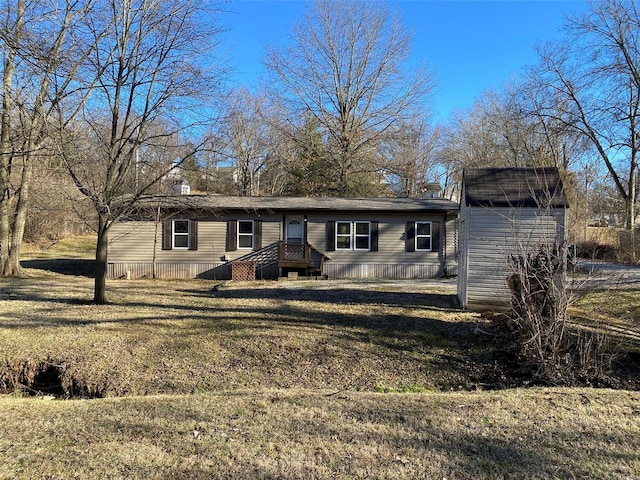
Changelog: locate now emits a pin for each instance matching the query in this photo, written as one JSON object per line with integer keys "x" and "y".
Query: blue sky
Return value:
{"x": 470, "y": 46}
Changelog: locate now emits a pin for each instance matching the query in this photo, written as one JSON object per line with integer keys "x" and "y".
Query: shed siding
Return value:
{"x": 490, "y": 237}
{"x": 451, "y": 246}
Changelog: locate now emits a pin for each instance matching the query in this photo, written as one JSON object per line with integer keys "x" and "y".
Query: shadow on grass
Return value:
{"x": 406, "y": 330}
{"x": 63, "y": 266}
{"x": 336, "y": 295}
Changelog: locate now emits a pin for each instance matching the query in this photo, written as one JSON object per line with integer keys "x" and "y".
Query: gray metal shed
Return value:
{"x": 504, "y": 211}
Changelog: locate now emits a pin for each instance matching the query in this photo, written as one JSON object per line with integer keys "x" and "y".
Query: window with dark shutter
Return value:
{"x": 257, "y": 234}
{"x": 374, "y": 236}
{"x": 179, "y": 234}
{"x": 331, "y": 236}
{"x": 193, "y": 235}
{"x": 232, "y": 235}
{"x": 435, "y": 236}
{"x": 167, "y": 231}
{"x": 245, "y": 234}
{"x": 410, "y": 235}
{"x": 423, "y": 236}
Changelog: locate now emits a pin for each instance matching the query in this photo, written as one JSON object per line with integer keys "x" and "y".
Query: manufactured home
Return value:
{"x": 223, "y": 237}
{"x": 504, "y": 212}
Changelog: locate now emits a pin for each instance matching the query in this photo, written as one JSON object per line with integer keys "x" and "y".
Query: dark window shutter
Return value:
{"x": 435, "y": 236}
{"x": 410, "y": 235}
{"x": 257, "y": 234}
{"x": 167, "y": 232}
{"x": 331, "y": 236}
{"x": 232, "y": 235}
{"x": 374, "y": 237}
{"x": 193, "y": 235}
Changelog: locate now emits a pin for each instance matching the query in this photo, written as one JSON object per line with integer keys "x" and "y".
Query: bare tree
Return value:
{"x": 345, "y": 65}
{"x": 147, "y": 87}
{"x": 410, "y": 162}
{"x": 41, "y": 58}
{"x": 244, "y": 137}
{"x": 596, "y": 74}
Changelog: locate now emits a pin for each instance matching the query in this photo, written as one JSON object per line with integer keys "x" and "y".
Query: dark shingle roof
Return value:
{"x": 513, "y": 187}
{"x": 223, "y": 203}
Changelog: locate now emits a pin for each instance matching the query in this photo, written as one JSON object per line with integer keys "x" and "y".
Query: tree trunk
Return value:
{"x": 13, "y": 266}
{"x": 100, "y": 284}
{"x": 5, "y": 159}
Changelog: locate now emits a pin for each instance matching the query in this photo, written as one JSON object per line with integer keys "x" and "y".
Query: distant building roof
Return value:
{"x": 513, "y": 187}
{"x": 311, "y": 204}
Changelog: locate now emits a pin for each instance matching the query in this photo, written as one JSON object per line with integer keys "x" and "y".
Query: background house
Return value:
{"x": 504, "y": 212}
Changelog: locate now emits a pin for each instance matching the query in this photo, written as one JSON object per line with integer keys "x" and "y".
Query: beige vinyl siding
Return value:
{"x": 390, "y": 261}
{"x": 131, "y": 247}
{"x": 491, "y": 236}
{"x": 451, "y": 247}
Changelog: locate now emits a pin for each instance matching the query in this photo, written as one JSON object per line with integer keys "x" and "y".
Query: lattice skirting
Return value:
{"x": 243, "y": 270}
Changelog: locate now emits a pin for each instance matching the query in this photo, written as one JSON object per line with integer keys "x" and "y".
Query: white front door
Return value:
{"x": 294, "y": 229}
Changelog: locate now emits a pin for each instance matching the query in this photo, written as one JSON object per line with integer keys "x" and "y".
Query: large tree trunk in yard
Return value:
{"x": 13, "y": 266}
{"x": 5, "y": 159}
{"x": 100, "y": 288}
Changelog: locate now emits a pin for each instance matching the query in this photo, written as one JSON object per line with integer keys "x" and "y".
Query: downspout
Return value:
{"x": 444, "y": 245}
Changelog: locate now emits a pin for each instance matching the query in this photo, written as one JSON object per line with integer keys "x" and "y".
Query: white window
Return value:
{"x": 181, "y": 234}
{"x": 423, "y": 236}
{"x": 343, "y": 235}
{"x": 245, "y": 234}
{"x": 353, "y": 235}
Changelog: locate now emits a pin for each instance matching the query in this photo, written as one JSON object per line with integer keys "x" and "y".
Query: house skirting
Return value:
{"x": 207, "y": 271}
{"x": 222, "y": 270}
{"x": 388, "y": 270}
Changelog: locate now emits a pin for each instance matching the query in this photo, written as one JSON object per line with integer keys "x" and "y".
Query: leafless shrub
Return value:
{"x": 550, "y": 347}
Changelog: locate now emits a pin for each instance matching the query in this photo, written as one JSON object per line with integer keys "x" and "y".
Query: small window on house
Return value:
{"x": 423, "y": 236}
{"x": 181, "y": 234}
{"x": 353, "y": 235}
{"x": 362, "y": 232}
{"x": 245, "y": 234}
{"x": 343, "y": 235}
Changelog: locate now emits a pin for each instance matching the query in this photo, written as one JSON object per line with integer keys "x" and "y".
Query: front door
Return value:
{"x": 294, "y": 230}
{"x": 294, "y": 236}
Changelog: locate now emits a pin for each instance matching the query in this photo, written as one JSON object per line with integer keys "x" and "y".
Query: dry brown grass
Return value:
{"x": 293, "y": 434}
{"x": 178, "y": 337}
{"x": 615, "y": 312}
{"x": 75, "y": 247}
{"x": 268, "y": 380}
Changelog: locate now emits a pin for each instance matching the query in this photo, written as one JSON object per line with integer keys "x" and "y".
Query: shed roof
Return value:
{"x": 307, "y": 204}
{"x": 513, "y": 187}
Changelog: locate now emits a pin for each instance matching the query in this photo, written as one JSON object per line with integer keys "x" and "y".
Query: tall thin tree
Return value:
{"x": 148, "y": 86}
{"x": 347, "y": 66}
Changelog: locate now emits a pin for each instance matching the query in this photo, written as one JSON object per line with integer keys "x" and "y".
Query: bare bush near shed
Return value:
{"x": 549, "y": 349}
